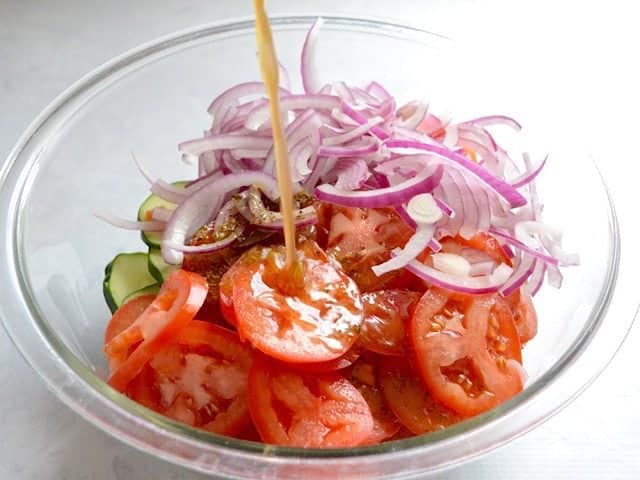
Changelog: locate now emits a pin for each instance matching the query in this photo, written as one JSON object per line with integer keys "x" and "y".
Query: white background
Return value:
{"x": 582, "y": 55}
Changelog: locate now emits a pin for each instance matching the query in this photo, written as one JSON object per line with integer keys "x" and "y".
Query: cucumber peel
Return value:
{"x": 124, "y": 275}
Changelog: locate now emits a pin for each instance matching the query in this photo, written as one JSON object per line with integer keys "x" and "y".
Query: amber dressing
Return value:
{"x": 269, "y": 70}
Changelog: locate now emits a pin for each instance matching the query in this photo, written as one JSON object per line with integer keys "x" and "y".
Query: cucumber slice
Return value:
{"x": 127, "y": 273}
{"x": 158, "y": 267}
{"x": 153, "y": 239}
{"x": 150, "y": 290}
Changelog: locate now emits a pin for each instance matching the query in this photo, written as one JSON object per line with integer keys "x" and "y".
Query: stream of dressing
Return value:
{"x": 269, "y": 69}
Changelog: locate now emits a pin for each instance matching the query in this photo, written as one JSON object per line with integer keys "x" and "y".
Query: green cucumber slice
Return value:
{"x": 150, "y": 290}
{"x": 158, "y": 268}
{"x": 127, "y": 273}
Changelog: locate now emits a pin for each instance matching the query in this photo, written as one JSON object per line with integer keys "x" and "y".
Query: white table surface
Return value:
{"x": 584, "y": 53}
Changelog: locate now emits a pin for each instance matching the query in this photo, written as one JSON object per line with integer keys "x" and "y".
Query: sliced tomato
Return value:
{"x": 360, "y": 238}
{"x": 410, "y": 401}
{"x": 314, "y": 319}
{"x": 340, "y": 363}
{"x": 200, "y": 380}
{"x": 126, "y": 315}
{"x": 488, "y": 244}
{"x": 364, "y": 376}
{"x": 226, "y": 293}
{"x": 181, "y": 296}
{"x": 464, "y": 347}
{"x": 524, "y": 315}
{"x": 295, "y": 409}
{"x": 386, "y": 312}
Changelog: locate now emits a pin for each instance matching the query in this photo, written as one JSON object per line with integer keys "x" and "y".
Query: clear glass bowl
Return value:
{"x": 75, "y": 159}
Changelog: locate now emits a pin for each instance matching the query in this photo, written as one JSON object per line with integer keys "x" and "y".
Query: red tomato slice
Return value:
{"x": 386, "y": 312}
{"x": 524, "y": 315}
{"x": 226, "y": 293}
{"x": 364, "y": 377}
{"x": 200, "y": 380}
{"x": 316, "y": 321}
{"x": 181, "y": 296}
{"x": 126, "y": 315}
{"x": 360, "y": 238}
{"x": 410, "y": 401}
{"x": 340, "y": 363}
{"x": 464, "y": 349}
{"x": 488, "y": 244}
{"x": 306, "y": 410}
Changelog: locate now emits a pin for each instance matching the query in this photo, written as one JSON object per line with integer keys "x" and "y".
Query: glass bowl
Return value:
{"x": 75, "y": 159}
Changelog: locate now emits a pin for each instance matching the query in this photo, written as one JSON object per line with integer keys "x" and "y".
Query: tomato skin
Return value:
{"x": 344, "y": 361}
{"x": 181, "y": 296}
{"x": 214, "y": 356}
{"x": 451, "y": 346}
{"x": 291, "y": 408}
{"x": 386, "y": 312}
{"x": 315, "y": 321}
{"x": 486, "y": 243}
{"x": 524, "y": 315}
{"x": 360, "y": 238}
{"x": 126, "y": 315}
{"x": 364, "y": 376}
{"x": 407, "y": 397}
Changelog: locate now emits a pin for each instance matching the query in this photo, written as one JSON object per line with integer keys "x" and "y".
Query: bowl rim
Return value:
{"x": 84, "y": 392}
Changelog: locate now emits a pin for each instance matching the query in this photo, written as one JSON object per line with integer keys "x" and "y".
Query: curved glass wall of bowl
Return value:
{"x": 76, "y": 159}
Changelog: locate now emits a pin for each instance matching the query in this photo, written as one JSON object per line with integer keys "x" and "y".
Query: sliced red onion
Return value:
{"x": 479, "y": 135}
{"x": 522, "y": 272}
{"x": 554, "y": 276}
{"x": 528, "y": 176}
{"x": 207, "y": 163}
{"x": 224, "y": 142}
{"x": 349, "y": 151}
{"x": 523, "y": 247}
{"x": 199, "y": 182}
{"x": 536, "y": 279}
{"x": 261, "y": 114}
{"x": 233, "y": 94}
{"x": 414, "y": 247}
{"x": 353, "y": 134}
{"x": 450, "y": 139}
{"x": 343, "y": 119}
{"x": 142, "y": 168}
{"x": 502, "y": 188}
{"x": 351, "y": 173}
{"x": 240, "y": 153}
{"x": 471, "y": 285}
{"x": 168, "y": 192}
{"x": 482, "y": 268}
{"x": 206, "y": 247}
{"x": 470, "y": 215}
{"x": 495, "y": 120}
{"x": 161, "y": 214}
{"x": 378, "y": 91}
{"x": 202, "y": 205}
{"x": 344, "y": 92}
{"x": 307, "y": 59}
{"x": 446, "y": 209}
{"x": 418, "y": 115}
{"x": 365, "y": 99}
{"x": 349, "y": 111}
{"x": 223, "y": 216}
{"x": 283, "y": 75}
{"x": 449, "y": 191}
{"x": 300, "y": 155}
{"x": 424, "y": 182}
{"x": 146, "y": 225}
{"x": 304, "y": 125}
